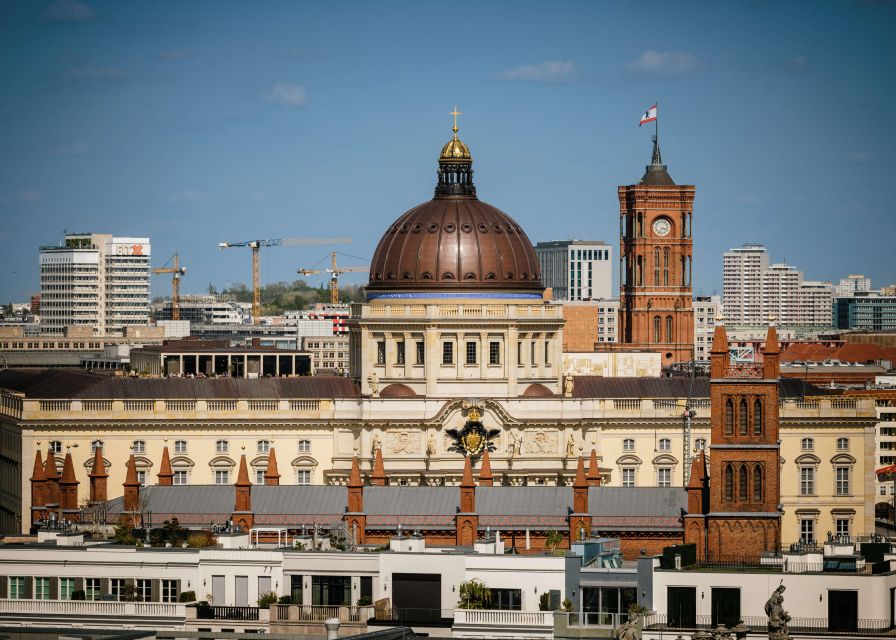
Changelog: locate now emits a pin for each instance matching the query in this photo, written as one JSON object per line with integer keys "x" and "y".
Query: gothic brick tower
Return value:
{"x": 655, "y": 251}
{"x": 355, "y": 517}
{"x": 744, "y": 486}
{"x": 466, "y": 521}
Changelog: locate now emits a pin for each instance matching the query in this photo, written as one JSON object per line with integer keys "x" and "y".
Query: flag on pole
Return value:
{"x": 648, "y": 116}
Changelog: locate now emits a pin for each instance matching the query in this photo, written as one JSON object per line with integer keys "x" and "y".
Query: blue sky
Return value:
{"x": 199, "y": 122}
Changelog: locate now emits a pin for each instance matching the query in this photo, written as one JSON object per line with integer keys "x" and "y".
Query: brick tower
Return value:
{"x": 655, "y": 251}
{"x": 743, "y": 516}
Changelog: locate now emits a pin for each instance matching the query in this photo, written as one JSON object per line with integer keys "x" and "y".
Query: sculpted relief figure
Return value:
{"x": 431, "y": 445}
{"x": 374, "y": 385}
{"x": 628, "y": 630}
{"x": 377, "y": 444}
{"x": 568, "y": 384}
{"x": 570, "y": 447}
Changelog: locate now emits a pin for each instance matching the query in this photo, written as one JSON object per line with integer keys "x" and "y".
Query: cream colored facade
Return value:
{"x": 639, "y": 442}
{"x": 614, "y": 364}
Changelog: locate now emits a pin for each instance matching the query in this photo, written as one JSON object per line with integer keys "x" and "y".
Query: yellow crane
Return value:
{"x": 334, "y": 272}
{"x": 176, "y": 272}
{"x": 255, "y": 245}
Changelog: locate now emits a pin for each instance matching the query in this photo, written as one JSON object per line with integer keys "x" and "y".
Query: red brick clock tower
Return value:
{"x": 655, "y": 253}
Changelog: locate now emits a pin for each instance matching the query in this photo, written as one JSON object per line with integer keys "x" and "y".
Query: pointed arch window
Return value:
{"x": 640, "y": 269}
{"x": 657, "y": 335}
{"x": 729, "y": 417}
{"x": 742, "y": 483}
{"x": 665, "y": 266}
{"x": 757, "y": 483}
{"x": 656, "y": 267}
{"x": 729, "y": 483}
{"x": 683, "y": 271}
{"x": 742, "y": 417}
{"x": 668, "y": 328}
{"x": 757, "y": 417}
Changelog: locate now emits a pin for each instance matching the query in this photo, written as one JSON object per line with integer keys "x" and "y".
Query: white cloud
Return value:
{"x": 97, "y": 73}
{"x": 664, "y": 63}
{"x": 75, "y": 148}
{"x": 288, "y": 95}
{"x": 798, "y": 64}
{"x": 30, "y": 197}
{"x": 189, "y": 196}
{"x": 68, "y": 11}
{"x": 549, "y": 71}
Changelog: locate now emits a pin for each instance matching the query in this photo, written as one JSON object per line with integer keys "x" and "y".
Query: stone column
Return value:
{"x": 510, "y": 362}
{"x": 483, "y": 355}
{"x": 390, "y": 355}
{"x": 410, "y": 354}
{"x": 433, "y": 359}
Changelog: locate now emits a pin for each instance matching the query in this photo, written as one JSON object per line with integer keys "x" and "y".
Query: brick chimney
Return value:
{"x": 378, "y": 475}
{"x": 580, "y": 518}
{"x": 68, "y": 488}
{"x": 272, "y": 474}
{"x": 131, "y": 487}
{"x": 355, "y": 518}
{"x": 718, "y": 353}
{"x": 98, "y": 477}
{"x": 771, "y": 355}
{"x": 485, "y": 472}
{"x": 698, "y": 505}
{"x": 166, "y": 475}
{"x": 593, "y": 471}
{"x": 467, "y": 520}
{"x": 38, "y": 489}
{"x": 51, "y": 493}
{"x": 242, "y": 511}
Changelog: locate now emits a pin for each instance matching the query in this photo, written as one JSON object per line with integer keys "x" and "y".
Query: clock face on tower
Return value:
{"x": 662, "y": 227}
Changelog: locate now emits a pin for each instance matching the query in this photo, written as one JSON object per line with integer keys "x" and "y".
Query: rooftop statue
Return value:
{"x": 777, "y": 616}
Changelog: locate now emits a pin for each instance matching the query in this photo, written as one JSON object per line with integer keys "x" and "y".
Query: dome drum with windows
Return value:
{"x": 455, "y": 243}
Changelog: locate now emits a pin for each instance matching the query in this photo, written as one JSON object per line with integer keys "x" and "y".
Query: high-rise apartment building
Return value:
{"x": 742, "y": 269}
{"x": 851, "y": 284}
{"x": 95, "y": 280}
{"x": 754, "y": 291}
{"x": 576, "y": 269}
{"x": 706, "y": 310}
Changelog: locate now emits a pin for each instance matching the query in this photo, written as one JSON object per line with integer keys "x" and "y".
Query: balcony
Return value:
{"x": 92, "y": 613}
{"x": 204, "y": 616}
{"x": 309, "y": 619}
{"x": 585, "y": 624}
{"x": 493, "y": 623}
{"x": 759, "y": 625}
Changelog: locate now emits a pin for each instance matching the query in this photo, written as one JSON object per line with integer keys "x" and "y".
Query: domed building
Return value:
{"x": 455, "y": 304}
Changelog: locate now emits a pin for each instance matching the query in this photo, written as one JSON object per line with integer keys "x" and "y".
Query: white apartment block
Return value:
{"x": 706, "y": 310}
{"x": 815, "y": 306}
{"x": 607, "y": 320}
{"x": 329, "y": 352}
{"x": 851, "y": 284}
{"x": 742, "y": 270}
{"x": 781, "y": 294}
{"x": 576, "y": 269}
{"x": 95, "y": 280}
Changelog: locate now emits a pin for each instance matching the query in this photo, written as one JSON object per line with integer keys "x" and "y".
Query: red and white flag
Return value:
{"x": 648, "y": 116}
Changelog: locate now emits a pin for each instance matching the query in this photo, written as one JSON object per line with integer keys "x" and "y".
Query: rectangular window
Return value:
{"x": 807, "y": 530}
{"x": 331, "y": 590}
{"x": 92, "y": 588}
{"x": 842, "y": 526}
{"x": 116, "y": 587}
{"x": 628, "y": 477}
{"x": 41, "y": 588}
{"x": 144, "y": 589}
{"x": 169, "y": 591}
{"x": 303, "y": 476}
{"x": 547, "y": 350}
{"x": 447, "y": 353}
{"x": 807, "y": 481}
{"x": 259, "y": 476}
{"x": 222, "y": 476}
{"x": 221, "y": 446}
{"x": 519, "y": 353}
{"x": 664, "y": 477}
{"x": 180, "y": 446}
{"x": 66, "y": 588}
{"x": 842, "y": 487}
{"x": 494, "y": 353}
{"x": 399, "y": 352}
{"x": 471, "y": 353}
{"x": 180, "y": 477}
{"x": 507, "y": 599}
{"x": 17, "y": 588}
{"x": 381, "y": 352}
{"x": 532, "y": 353}
{"x": 141, "y": 478}
{"x": 421, "y": 351}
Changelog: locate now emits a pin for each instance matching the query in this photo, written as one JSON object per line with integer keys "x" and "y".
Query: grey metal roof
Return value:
{"x": 636, "y": 501}
{"x": 678, "y": 387}
{"x": 523, "y": 501}
{"x": 191, "y": 498}
{"x": 400, "y": 501}
{"x": 298, "y": 499}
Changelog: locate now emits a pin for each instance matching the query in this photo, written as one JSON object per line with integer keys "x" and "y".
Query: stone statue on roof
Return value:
{"x": 777, "y": 616}
{"x": 628, "y": 630}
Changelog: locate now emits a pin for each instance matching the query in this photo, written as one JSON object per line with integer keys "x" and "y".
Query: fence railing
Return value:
{"x": 226, "y": 613}
{"x": 759, "y": 624}
{"x": 100, "y": 608}
{"x": 593, "y": 619}
{"x": 504, "y": 617}
{"x": 319, "y": 613}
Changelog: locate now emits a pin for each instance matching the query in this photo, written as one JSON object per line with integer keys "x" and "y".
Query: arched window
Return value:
{"x": 139, "y": 446}
{"x": 640, "y": 224}
{"x": 657, "y": 336}
{"x": 180, "y": 446}
{"x": 729, "y": 483}
{"x": 668, "y": 328}
{"x": 742, "y": 422}
{"x": 628, "y": 444}
{"x": 221, "y": 446}
{"x": 807, "y": 444}
{"x": 656, "y": 266}
{"x": 683, "y": 271}
{"x": 729, "y": 417}
{"x": 757, "y": 483}
{"x": 757, "y": 417}
{"x": 304, "y": 446}
{"x": 665, "y": 266}
{"x": 665, "y": 444}
{"x": 264, "y": 446}
{"x": 742, "y": 485}
{"x": 640, "y": 274}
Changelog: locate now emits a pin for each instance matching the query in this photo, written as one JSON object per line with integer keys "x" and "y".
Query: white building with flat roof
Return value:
{"x": 742, "y": 269}
{"x": 95, "y": 280}
{"x": 576, "y": 269}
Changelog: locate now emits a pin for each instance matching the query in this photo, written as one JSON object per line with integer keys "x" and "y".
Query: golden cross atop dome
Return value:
{"x": 455, "y": 113}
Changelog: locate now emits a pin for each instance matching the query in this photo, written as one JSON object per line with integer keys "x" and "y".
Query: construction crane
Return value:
{"x": 335, "y": 272}
{"x": 255, "y": 245}
{"x": 176, "y": 272}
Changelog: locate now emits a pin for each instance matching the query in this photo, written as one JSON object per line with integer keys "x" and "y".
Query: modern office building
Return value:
{"x": 330, "y": 352}
{"x": 852, "y": 284}
{"x": 866, "y": 311}
{"x": 742, "y": 269}
{"x": 576, "y": 269}
{"x": 95, "y": 280}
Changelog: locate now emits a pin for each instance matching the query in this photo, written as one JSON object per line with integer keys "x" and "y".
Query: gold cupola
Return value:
{"x": 455, "y": 150}
{"x": 455, "y": 167}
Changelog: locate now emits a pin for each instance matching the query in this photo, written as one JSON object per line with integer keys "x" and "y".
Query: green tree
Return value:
{"x": 474, "y": 594}
{"x": 552, "y": 540}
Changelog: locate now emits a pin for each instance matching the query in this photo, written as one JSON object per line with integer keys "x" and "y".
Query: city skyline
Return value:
{"x": 220, "y": 123}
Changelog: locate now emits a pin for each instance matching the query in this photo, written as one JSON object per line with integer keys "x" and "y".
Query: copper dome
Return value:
{"x": 455, "y": 242}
